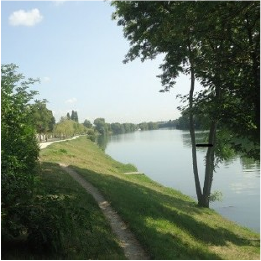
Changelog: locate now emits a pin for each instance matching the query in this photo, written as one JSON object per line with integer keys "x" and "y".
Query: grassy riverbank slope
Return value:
{"x": 167, "y": 223}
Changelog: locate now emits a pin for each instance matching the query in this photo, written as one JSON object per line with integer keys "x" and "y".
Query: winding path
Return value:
{"x": 132, "y": 248}
{"x": 45, "y": 144}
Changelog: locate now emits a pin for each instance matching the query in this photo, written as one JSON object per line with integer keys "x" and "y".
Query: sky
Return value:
{"x": 76, "y": 50}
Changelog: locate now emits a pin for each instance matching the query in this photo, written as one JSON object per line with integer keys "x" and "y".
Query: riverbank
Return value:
{"x": 167, "y": 223}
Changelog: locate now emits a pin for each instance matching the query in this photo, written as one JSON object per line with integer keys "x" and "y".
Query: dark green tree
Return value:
{"x": 74, "y": 116}
{"x": 42, "y": 117}
{"x": 101, "y": 126}
{"x": 117, "y": 128}
{"x": 19, "y": 150}
{"x": 202, "y": 41}
{"x": 87, "y": 124}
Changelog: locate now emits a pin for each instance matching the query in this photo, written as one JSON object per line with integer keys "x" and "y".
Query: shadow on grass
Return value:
{"x": 137, "y": 203}
{"x": 88, "y": 235}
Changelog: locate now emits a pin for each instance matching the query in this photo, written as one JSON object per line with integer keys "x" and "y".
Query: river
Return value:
{"x": 165, "y": 156}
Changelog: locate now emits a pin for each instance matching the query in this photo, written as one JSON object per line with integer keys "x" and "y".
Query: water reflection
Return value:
{"x": 201, "y": 137}
{"x": 248, "y": 164}
{"x": 102, "y": 141}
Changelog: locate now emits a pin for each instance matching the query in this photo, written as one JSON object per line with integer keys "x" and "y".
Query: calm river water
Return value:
{"x": 165, "y": 156}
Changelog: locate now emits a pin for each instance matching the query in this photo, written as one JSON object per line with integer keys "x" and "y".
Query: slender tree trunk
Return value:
{"x": 210, "y": 155}
{"x": 209, "y": 168}
{"x": 193, "y": 139}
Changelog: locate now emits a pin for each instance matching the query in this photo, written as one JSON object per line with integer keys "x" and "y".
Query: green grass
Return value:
{"x": 91, "y": 237}
{"x": 167, "y": 223}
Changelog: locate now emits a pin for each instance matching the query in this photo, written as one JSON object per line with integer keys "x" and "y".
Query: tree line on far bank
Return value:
{"x": 69, "y": 125}
{"x": 182, "y": 123}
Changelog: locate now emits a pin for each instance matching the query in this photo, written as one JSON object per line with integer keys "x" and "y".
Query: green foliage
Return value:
{"x": 19, "y": 152}
{"x": 64, "y": 222}
{"x": 43, "y": 118}
{"x": 216, "y": 196}
{"x": 143, "y": 126}
{"x": 40, "y": 221}
{"x": 218, "y": 41}
{"x": 101, "y": 126}
{"x": 168, "y": 124}
{"x": 67, "y": 128}
{"x": 74, "y": 116}
{"x": 49, "y": 219}
{"x": 87, "y": 124}
{"x": 119, "y": 128}
{"x": 201, "y": 122}
{"x": 91, "y": 134}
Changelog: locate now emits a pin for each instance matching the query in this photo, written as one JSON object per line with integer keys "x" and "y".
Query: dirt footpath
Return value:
{"x": 45, "y": 144}
{"x": 128, "y": 242}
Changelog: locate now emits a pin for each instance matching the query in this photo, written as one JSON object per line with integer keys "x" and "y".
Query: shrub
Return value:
{"x": 20, "y": 150}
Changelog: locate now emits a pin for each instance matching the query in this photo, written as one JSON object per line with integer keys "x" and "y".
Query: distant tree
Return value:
{"x": 64, "y": 128}
{"x": 200, "y": 121}
{"x": 143, "y": 126}
{"x": 127, "y": 127}
{"x": 153, "y": 125}
{"x": 74, "y": 116}
{"x": 68, "y": 116}
{"x": 168, "y": 124}
{"x": 42, "y": 117}
{"x": 101, "y": 126}
{"x": 87, "y": 124}
{"x": 117, "y": 128}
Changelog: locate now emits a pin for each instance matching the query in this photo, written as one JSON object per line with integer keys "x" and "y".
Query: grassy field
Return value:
{"x": 167, "y": 223}
{"x": 89, "y": 236}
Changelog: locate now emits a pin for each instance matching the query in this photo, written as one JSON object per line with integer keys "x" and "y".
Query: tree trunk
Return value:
{"x": 210, "y": 156}
{"x": 209, "y": 168}
{"x": 193, "y": 139}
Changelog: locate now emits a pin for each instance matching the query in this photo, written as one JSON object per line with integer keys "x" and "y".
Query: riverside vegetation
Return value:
{"x": 168, "y": 224}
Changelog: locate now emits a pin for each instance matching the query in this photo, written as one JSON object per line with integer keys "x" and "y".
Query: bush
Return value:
{"x": 20, "y": 148}
{"x": 49, "y": 219}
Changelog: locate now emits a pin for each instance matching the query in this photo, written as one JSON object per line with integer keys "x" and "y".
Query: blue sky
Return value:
{"x": 77, "y": 50}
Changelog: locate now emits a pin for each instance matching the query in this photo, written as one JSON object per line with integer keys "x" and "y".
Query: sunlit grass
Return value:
{"x": 168, "y": 224}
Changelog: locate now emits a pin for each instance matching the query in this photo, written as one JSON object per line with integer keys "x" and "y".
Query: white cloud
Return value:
{"x": 72, "y": 100}
{"x": 58, "y": 3}
{"x": 29, "y": 18}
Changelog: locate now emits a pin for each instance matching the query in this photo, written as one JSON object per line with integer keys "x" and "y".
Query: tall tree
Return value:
{"x": 74, "y": 116}
{"x": 100, "y": 126}
{"x": 42, "y": 117}
{"x": 197, "y": 40}
{"x": 87, "y": 124}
